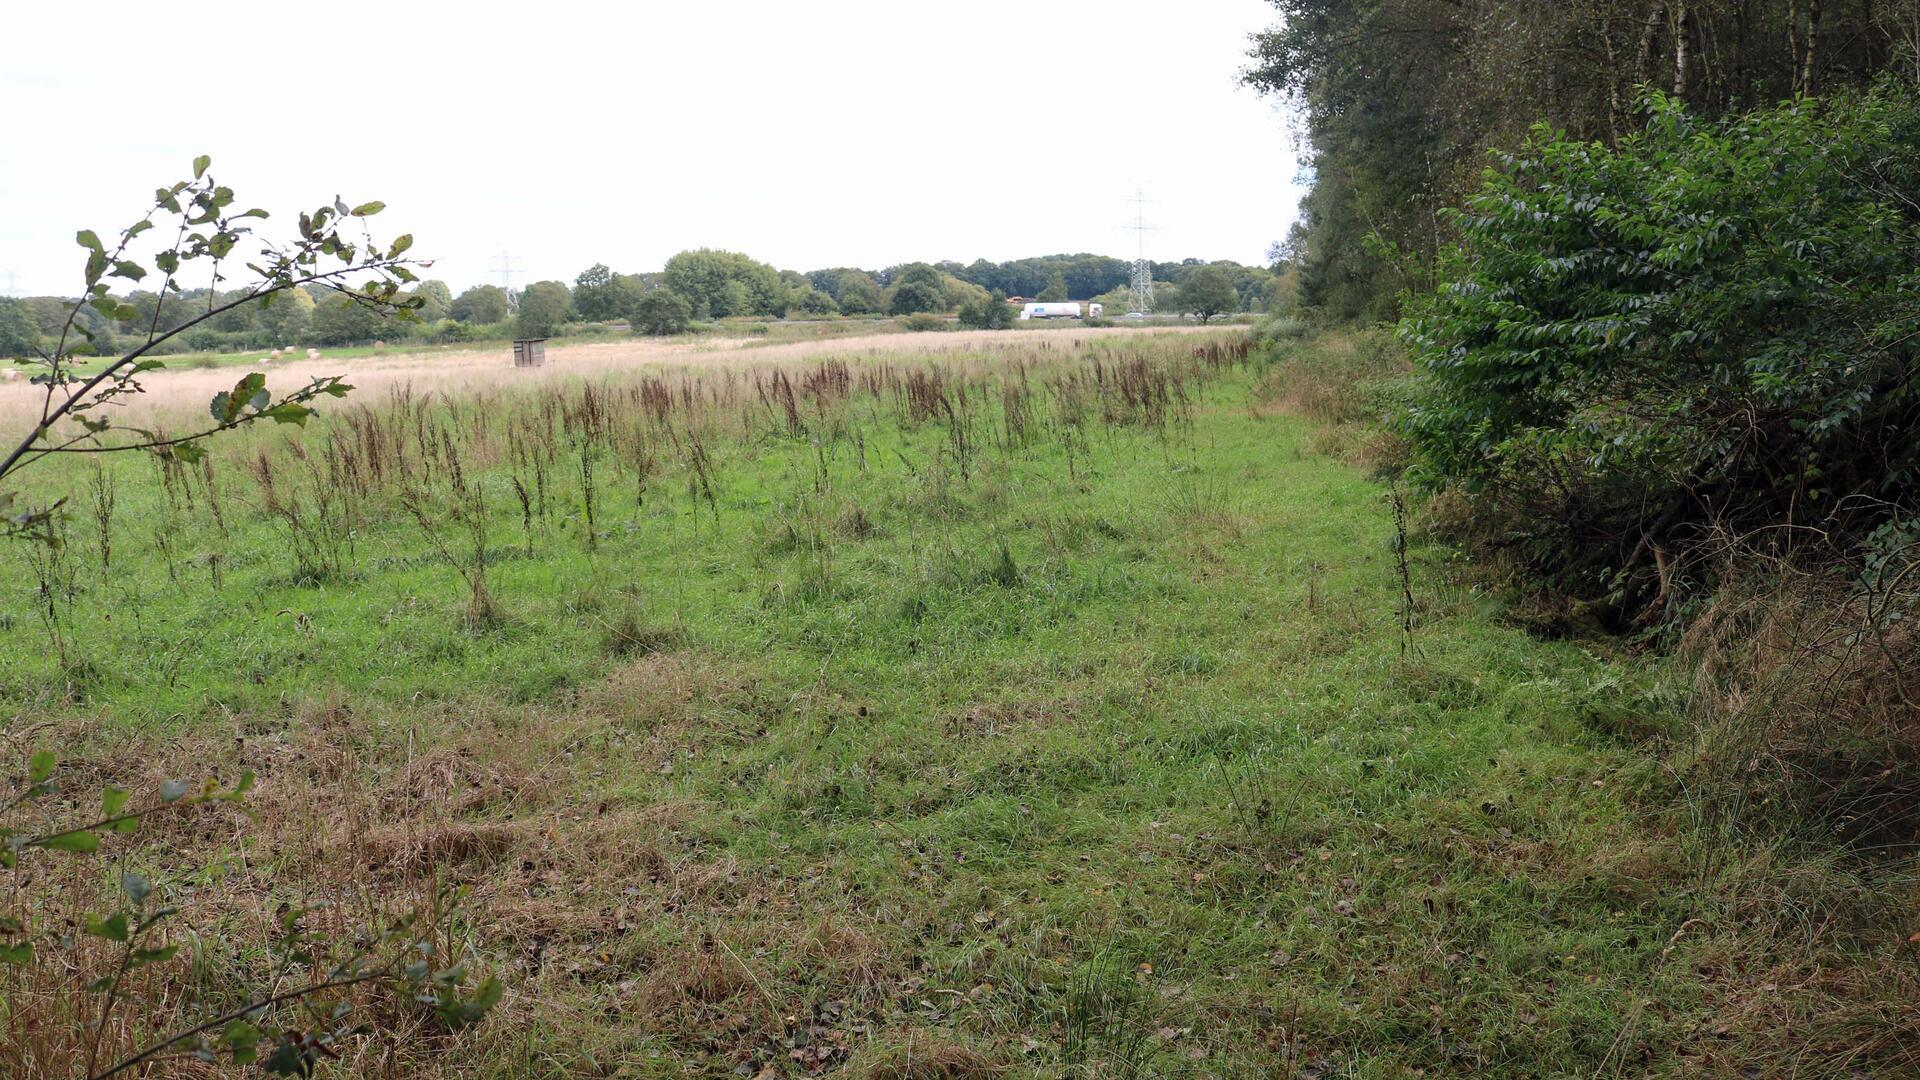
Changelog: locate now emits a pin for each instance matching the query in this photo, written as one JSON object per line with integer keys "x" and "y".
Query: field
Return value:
{"x": 957, "y": 705}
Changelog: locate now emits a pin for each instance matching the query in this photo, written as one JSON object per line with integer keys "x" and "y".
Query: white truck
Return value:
{"x": 1066, "y": 309}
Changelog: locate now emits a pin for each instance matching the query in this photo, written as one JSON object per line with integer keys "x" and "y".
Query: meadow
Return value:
{"x": 1070, "y": 706}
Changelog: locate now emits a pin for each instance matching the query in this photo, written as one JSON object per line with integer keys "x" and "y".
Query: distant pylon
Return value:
{"x": 1140, "y": 276}
{"x": 505, "y": 270}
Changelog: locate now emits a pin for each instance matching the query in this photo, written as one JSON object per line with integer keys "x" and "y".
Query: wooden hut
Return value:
{"x": 529, "y": 352}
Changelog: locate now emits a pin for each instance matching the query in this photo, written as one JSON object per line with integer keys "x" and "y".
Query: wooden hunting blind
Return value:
{"x": 529, "y": 352}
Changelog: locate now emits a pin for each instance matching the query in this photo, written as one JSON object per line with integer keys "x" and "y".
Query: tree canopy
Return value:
{"x": 19, "y": 335}
{"x": 722, "y": 283}
{"x": 1402, "y": 98}
{"x": 660, "y": 312}
{"x": 1209, "y": 291}
{"x": 482, "y": 304}
{"x": 917, "y": 288}
{"x": 543, "y": 308}
{"x": 597, "y": 294}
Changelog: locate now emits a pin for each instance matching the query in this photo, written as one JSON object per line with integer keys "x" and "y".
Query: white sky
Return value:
{"x": 843, "y": 132}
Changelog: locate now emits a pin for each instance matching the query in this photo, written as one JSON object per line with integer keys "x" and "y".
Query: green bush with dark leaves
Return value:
{"x": 1707, "y": 331}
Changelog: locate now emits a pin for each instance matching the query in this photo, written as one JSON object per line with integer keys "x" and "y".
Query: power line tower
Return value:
{"x": 1140, "y": 277}
{"x": 505, "y": 269}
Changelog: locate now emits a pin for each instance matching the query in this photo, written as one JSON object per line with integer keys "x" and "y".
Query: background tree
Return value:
{"x": 286, "y": 317}
{"x": 596, "y": 295}
{"x": 660, "y": 312}
{"x": 917, "y": 288}
{"x": 19, "y": 335}
{"x": 543, "y": 309}
{"x": 989, "y": 311}
{"x": 625, "y": 291}
{"x": 49, "y": 312}
{"x": 812, "y": 301}
{"x": 723, "y": 283}
{"x": 1055, "y": 290}
{"x": 341, "y": 320}
{"x": 481, "y": 305}
{"x": 1209, "y": 291}
{"x": 436, "y": 300}
{"x": 854, "y": 290}
{"x": 240, "y": 319}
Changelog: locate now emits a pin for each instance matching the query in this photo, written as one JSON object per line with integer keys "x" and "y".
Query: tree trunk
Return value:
{"x": 1643, "y": 71}
{"x": 1682, "y": 30}
{"x": 1813, "y": 46}
{"x": 1613, "y": 88}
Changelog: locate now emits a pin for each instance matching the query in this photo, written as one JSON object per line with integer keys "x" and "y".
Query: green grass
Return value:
{"x": 1110, "y": 762}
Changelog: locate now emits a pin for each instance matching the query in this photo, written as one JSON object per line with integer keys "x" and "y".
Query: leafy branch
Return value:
{"x": 321, "y": 254}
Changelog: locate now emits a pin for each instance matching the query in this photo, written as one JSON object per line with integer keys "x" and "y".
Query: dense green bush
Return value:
{"x": 661, "y": 312}
{"x": 990, "y": 312}
{"x": 1709, "y": 329}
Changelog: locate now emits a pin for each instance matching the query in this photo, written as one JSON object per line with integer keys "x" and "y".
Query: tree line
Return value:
{"x": 694, "y": 287}
{"x": 1402, "y": 99}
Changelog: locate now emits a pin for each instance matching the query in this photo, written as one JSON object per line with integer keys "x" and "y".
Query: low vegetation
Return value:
{"x": 1057, "y": 709}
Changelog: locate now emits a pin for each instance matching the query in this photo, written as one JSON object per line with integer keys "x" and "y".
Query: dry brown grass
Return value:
{"x": 928, "y": 1058}
{"x": 183, "y": 392}
{"x": 561, "y": 881}
{"x": 1809, "y": 688}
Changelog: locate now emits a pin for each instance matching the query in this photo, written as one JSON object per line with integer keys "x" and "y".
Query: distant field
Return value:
{"x": 726, "y": 334}
{"x": 182, "y": 388}
{"x": 1024, "y": 704}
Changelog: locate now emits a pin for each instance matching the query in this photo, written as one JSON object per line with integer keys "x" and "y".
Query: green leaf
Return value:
{"x": 112, "y": 928}
{"x": 40, "y": 767}
{"x": 113, "y": 800}
{"x": 86, "y": 238}
{"x": 129, "y": 269}
{"x": 241, "y": 1037}
{"x": 136, "y": 887}
{"x": 200, "y": 165}
{"x": 187, "y": 453}
{"x": 79, "y": 840}
{"x": 368, "y": 209}
{"x": 400, "y": 244}
{"x": 458, "y": 1011}
{"x": 289, "y": 413}
{"x": 172, "y": 790}
{"x": 143, "y": 957}
{"x": 286, "y": 1061}
{"x": 17, "y": 954}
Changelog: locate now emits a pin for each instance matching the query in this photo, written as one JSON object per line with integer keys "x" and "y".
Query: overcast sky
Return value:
{"x": 844, "y": 132}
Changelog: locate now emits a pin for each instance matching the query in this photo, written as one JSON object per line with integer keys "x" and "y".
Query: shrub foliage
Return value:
{"x": 1709, "y": 329}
